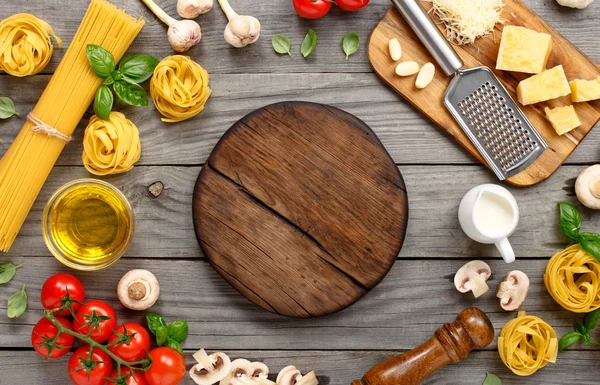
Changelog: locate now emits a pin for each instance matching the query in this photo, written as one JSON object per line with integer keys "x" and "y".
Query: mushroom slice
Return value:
{"x": 472, "y": 277}
{"x": 138, "y": 289}
{"x": 210, "y": 369}
{"x": 240, "y": 373}
{"x": 260, "y": 370}
{"x": 262, "y": 381}
{"x": 587, "y": 187}
{"x": 308, "y": 379}
{"x": 512, "y": 291}
{"x": 288, "y": 376}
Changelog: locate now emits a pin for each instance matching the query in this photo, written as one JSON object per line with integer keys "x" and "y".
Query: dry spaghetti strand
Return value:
{"x": 573, "y": 279}
{"x": 29, "y": 160}
{"x": 526, "y": 344}
{"x": 179, "y": 88}
{"x": 25, "y": 46}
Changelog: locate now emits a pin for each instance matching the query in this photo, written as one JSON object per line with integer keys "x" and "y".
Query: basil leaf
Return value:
{"x": 350, "y": 44}
{"x": 109, "y": 80}
{"x": 568, "y": 340}
{"x": 586, "y": 337}
{"x": 103, "y": 103}
{"x": 132, "y": 94}
{"x": 590, "y": 321}
{"x": 102, "y": 61}
{"x": 7, "y": 272}
{"x": 491, "y": 379}
{"x": 281, "y": 44}
{"x": 174, "y": 344}
{"x": 161, "y": 335}
{"x": 580, "y": 328}
{"x": 178, "y": 330}
{"x": 17, "y": 304}
{"x": 138, "y": 68}
{"x": 154, "y": 322}
{"x": 7, "y": 108}
{"x": 309, "y": 43}
{"x": 590, "y": 242}
{"x": 570, "y": 220}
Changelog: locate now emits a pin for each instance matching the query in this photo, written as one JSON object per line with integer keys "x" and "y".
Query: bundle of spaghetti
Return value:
{"x": 29, "y": 160}
{"x": 111, "y": 146}
{"x": 572, "y": 278}
{"x": 25, "y": 46}
{"x": 526, "y": 344}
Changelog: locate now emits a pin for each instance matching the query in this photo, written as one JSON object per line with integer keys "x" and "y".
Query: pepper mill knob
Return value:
{"x": 451, "y": 343}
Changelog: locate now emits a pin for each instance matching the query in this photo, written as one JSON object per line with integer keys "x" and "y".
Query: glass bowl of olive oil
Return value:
{"x": 88, "y": 224}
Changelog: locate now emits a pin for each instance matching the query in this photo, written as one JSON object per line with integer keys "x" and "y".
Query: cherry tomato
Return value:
{"x": 352, "y": 5}
{"x": 43, "y": 334}
{"x": 134, "y": 379}
{"x": 312, "y": 9}
{"x": 168, "y": 367}
{"x": 96, "y": 315}
{"x": 130, "y": 342}
{"x": 58, "y": 289}
{"x": 85, "y": 371}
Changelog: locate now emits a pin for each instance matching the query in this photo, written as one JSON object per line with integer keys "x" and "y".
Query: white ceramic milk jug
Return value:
{"x": 489, "y": 214}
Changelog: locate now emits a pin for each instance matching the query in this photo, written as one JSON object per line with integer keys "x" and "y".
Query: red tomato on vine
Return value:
{"x": 312, "y": 9}
{"x": 98, "y": 317}
{"x": 86, "y": 369}
{"x": 60, "y": 289}
{"x": 130, "y": 342}
{"x": 127, "y": 378}
{"x": 44, "y": 338}
{"x": 351, "y": 5}
{"x": 168, "y": 367}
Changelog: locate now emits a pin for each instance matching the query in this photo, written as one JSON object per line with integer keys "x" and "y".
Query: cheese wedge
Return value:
{"x": 523, "y": 50}
{"x": 585, "y": 90}
{"x": 550, "y": 84}
{"x": 563, "y": 119}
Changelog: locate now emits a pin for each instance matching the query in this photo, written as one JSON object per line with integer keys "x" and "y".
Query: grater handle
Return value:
{"x": 430, "y": 35}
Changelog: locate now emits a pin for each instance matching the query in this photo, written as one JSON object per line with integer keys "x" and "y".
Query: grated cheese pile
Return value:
{"x": 467, "y": 20}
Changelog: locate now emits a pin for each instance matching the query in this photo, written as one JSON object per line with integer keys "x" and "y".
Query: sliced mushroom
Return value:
{"x": 240, "y": 373}
{"x": 512, "y": 291}
{"x": 260, "y": 370}
{"x": 138, "y": 289}
{"x": 292, "y": 376}
{"x": 262, "y": 381}
{"x": 587, "y": 187}
{"x": 472, "y": 277}
{"x": 210, "y": 369}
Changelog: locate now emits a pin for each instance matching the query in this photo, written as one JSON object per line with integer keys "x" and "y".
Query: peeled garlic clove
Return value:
{"x": 395, "y": 49}
{"x": 407, "y": 68}
{"x": 425, "y": 76}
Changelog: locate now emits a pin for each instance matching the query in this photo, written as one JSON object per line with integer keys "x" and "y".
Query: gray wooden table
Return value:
{"x": 412, "y": 301}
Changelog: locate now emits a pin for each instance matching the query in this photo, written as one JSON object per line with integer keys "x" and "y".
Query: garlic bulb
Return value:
{"x": 190, "y": 9}
{"x": 241, "y": 30}
{"x": 182, "y": 34}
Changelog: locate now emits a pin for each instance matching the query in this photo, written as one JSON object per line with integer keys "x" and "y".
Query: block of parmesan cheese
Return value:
{"x": 585, "y": 90}
{"x": 563, "y": 119}
{"x": 523, "y": 50}
{"x": 550, "y": 84}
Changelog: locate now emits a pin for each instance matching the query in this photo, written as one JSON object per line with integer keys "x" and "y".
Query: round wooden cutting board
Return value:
{"x": 300, "y": 208}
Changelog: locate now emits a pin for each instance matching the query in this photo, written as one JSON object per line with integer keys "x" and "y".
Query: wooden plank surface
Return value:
{"x": 400, "y": 313}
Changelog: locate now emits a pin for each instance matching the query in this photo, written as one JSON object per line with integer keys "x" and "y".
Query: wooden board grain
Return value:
{"x": 301, "y": 209}
{"x": 484, "y": 52}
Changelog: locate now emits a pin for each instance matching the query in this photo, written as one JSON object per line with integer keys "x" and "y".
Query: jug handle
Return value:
{"x": 506, "y": 250}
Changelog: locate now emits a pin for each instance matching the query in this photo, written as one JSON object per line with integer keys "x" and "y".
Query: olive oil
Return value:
{"x": 88, "y": 224}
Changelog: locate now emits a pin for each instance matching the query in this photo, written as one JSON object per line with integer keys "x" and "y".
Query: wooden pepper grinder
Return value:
{"x": 451, "y": 343}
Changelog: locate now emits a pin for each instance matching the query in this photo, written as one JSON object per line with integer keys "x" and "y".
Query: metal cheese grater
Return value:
{"x": 479, "y": 102}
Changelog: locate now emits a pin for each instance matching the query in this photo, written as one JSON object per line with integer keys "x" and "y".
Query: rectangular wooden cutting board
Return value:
{"x": 484, "y": 52}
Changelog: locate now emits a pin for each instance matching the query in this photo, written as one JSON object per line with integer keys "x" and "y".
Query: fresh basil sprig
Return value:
{"x": 17, "y": 304}
{"x": 309, "y": 43}
{"x": 125, "y": 78}
{"x": 582, "y": 331}
{"x": 171, "y": 335}
{"x": 350, "y": 44}
{"x": 7, "y": 272}
{"x": 491, "y": 379}
{"x": 281, "y": 44}
{"x": 7, "y": 108}
{"x": 570, "y": 225}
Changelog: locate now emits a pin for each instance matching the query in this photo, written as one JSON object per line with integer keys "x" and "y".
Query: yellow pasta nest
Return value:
{"x": 526, "y": 344}
{"x": 179, "y": 88}
{"x": 573, "y": 279}
{"x": 110, "y": 146}
{"x": 25, "y": 47}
